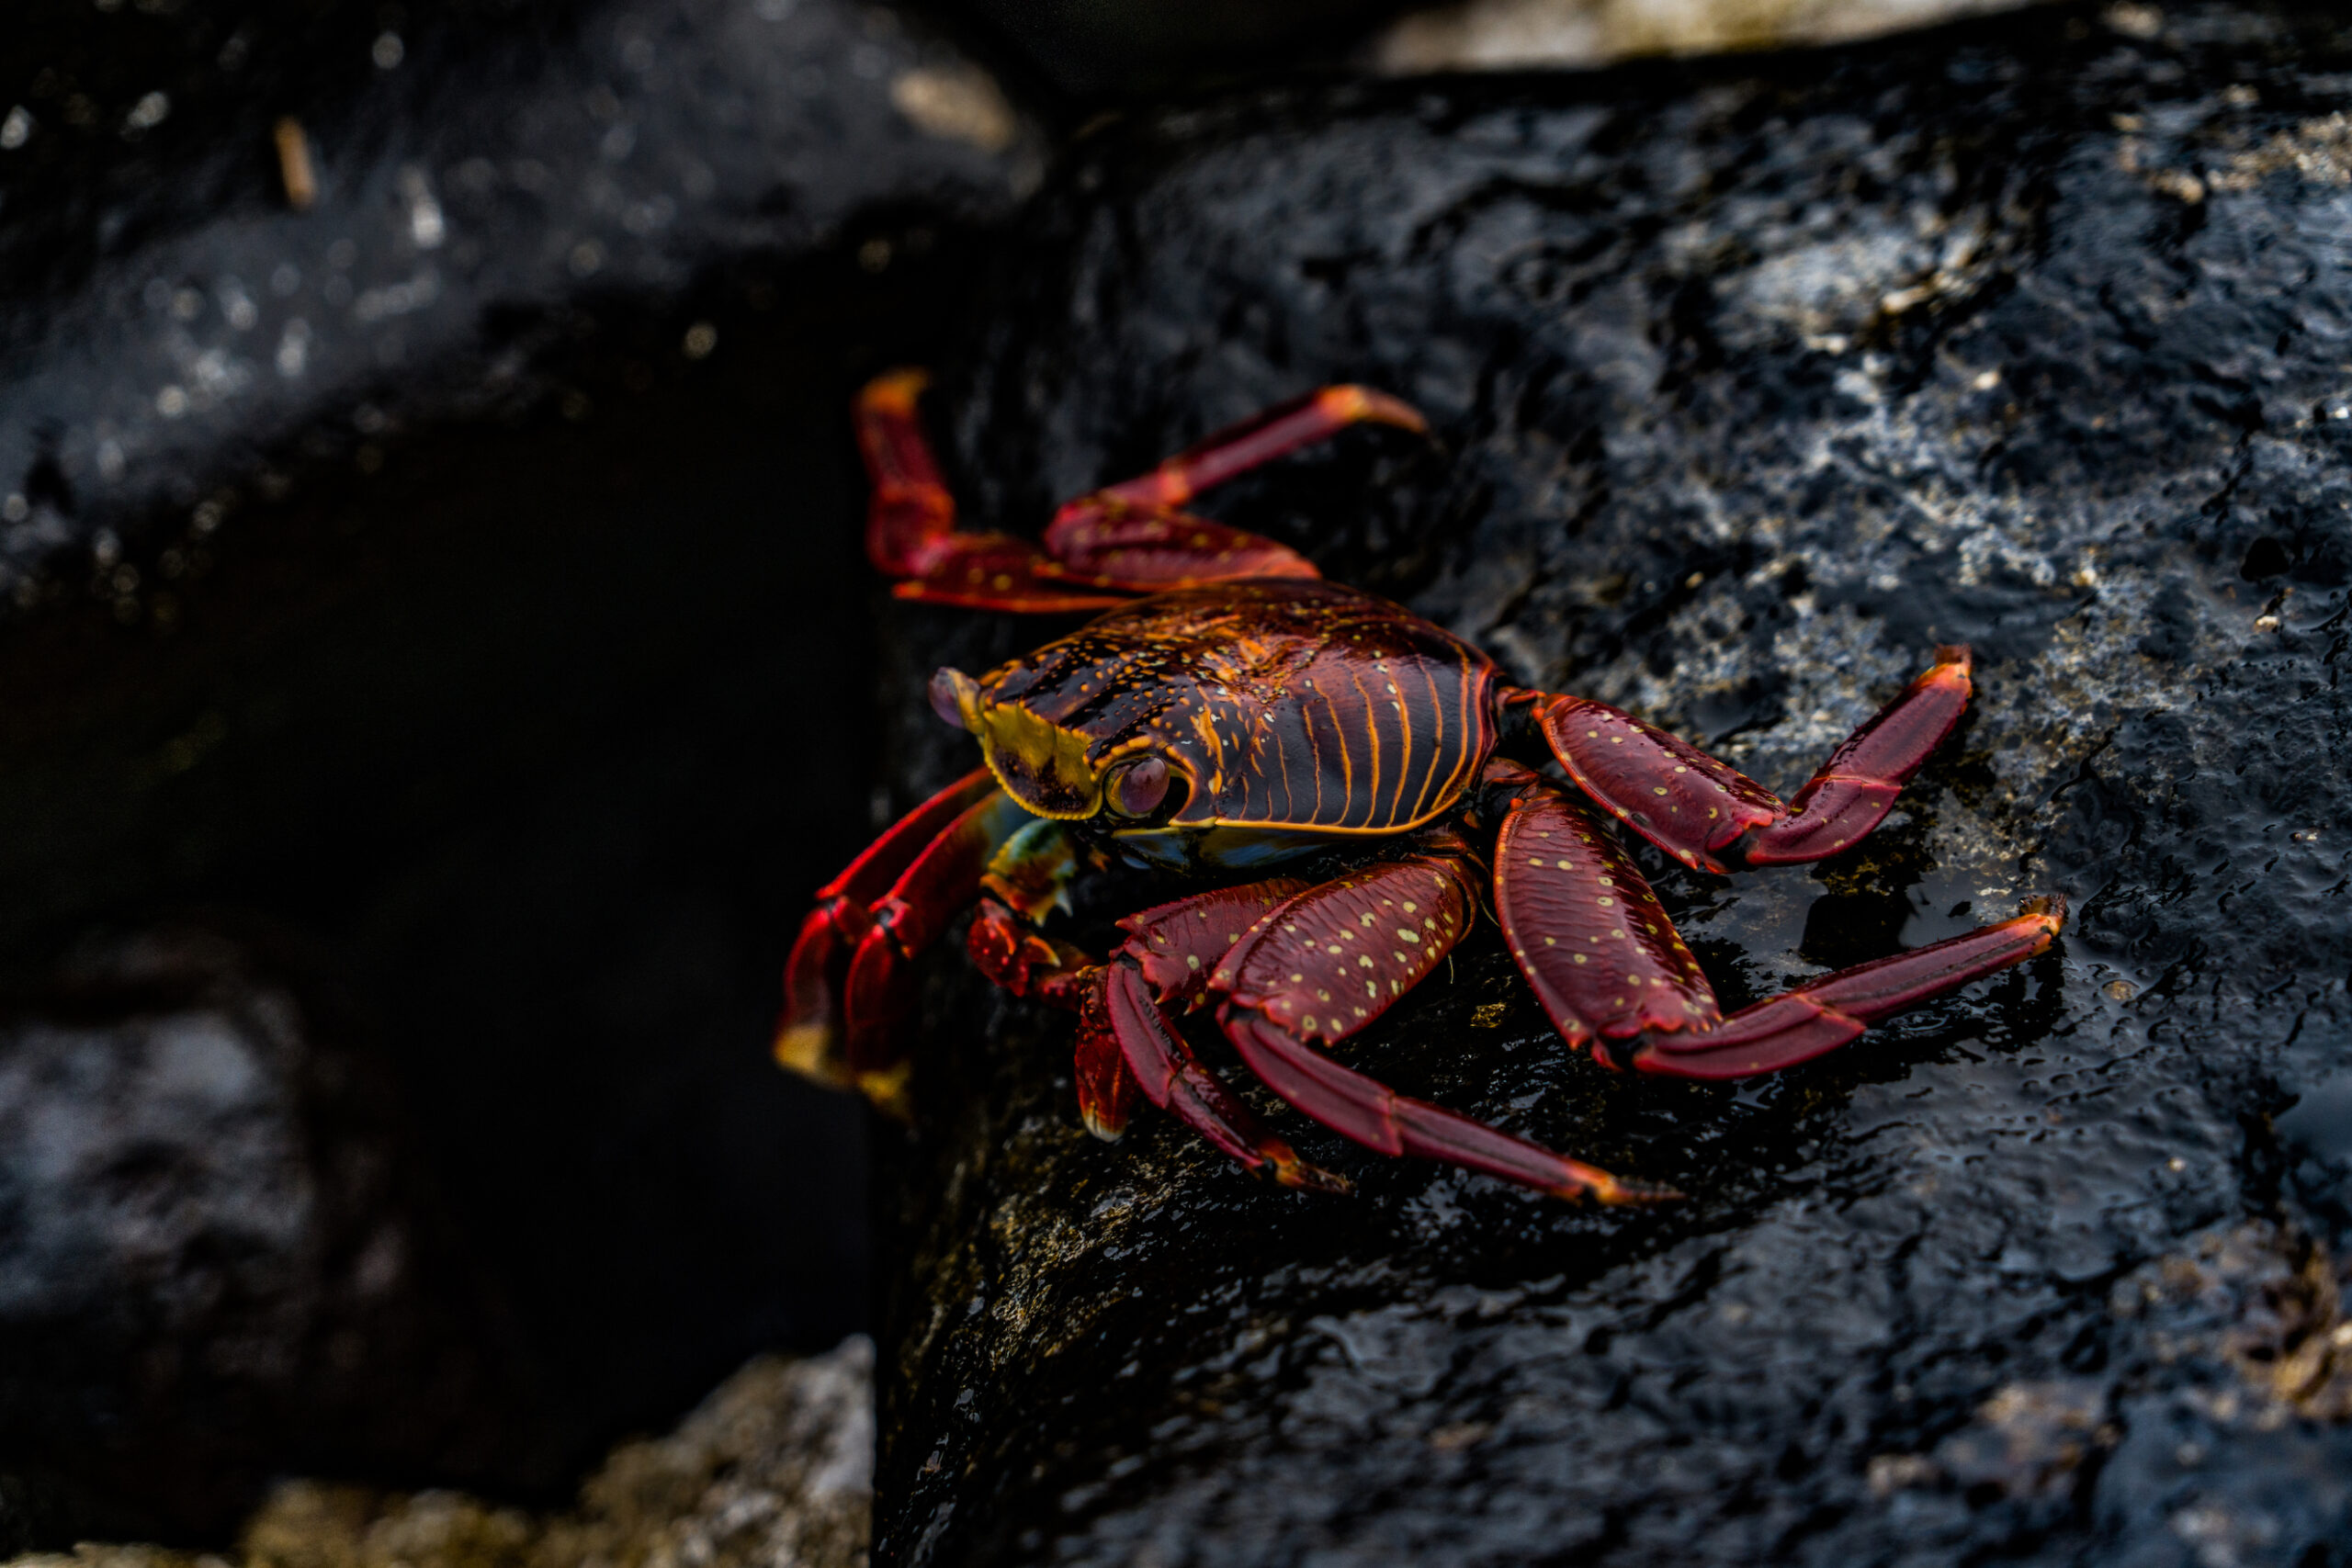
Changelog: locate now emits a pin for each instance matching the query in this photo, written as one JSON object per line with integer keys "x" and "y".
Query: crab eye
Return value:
{"x": 1138, "y": 789}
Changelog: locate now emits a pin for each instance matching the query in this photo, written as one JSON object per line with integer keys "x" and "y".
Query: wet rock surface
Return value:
{"x": 774, "y": 1469}
{"x": 1753, "y": 381}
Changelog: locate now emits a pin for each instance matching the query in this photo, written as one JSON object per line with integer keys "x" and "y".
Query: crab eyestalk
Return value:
{"x": 955, "y": 698}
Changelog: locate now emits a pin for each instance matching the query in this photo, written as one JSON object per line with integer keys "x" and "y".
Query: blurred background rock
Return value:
{"x": 1520, "y": 35}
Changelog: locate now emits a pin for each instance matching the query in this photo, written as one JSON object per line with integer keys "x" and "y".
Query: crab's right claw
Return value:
{"x": 808, "y": 1037}
{"x": 840, "y": 991}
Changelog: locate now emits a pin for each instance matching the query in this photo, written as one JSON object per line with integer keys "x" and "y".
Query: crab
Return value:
{"x": 1234, "y": 719}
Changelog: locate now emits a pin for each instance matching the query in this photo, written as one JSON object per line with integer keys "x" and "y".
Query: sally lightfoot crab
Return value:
{"x": 1231, "y": 715}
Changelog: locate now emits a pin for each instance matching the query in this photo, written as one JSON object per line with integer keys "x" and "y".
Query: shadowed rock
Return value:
{"x": 435, "y": 570}
{"x": 219, "y": 1246}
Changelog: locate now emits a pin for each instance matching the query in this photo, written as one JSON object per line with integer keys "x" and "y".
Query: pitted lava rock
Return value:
{"x": 1754, "y": 381}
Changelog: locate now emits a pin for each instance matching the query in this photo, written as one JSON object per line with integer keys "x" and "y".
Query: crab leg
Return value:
{"x": 1107, "y": 1087}
{"x": 1170, "y": 951}
{"x": 1102, "y": 549}
{"x": 1168, "y": 957}
{"x": 1823, "y": 1015}
{"x": 1608, "y": 965}
{"x": 1322, "y": 966}
{"x": 1584, "y": 927}
{"x": 1134, "y": 534}
{"x": 809, "y": 1035}
{"x": 1265, "y": 435}
{"x": 1177, "y": 1081}
{"x": 910, "y": 531}
{"x": 1014, "y": 954}
{"x": 1125, "y": 1046}
{"x": 1695, "y": 807}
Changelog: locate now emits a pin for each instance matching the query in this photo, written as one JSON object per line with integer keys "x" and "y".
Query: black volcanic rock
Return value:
{"x": 1753, "y": 381}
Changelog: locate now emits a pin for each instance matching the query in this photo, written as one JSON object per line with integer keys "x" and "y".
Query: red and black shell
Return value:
{"x": 1297, "y": 708}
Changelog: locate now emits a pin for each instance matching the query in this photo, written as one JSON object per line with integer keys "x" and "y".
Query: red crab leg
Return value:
{"x": 943, "y": 878}
{"x": 1174, "y": 1078}
{"x": 1823, "y": 1015}
{"x": 1014, "y": 954}
{"x": 1107, "y": 1087}
{"x": 1170, "y": 954}
{"x": 1102, "y": 549}
{"x": 1585, "y": 928}
{"x": 1168, "y": 957}
{"x": 1692, "y": 806}
{"x": 910, "y": 531}
{"x": 1604, "y": 960}
{"x": 1134, "y": 534}
{"x": 808, "y": 1036}
{"x": 1327, "y": 963}
{"x": 1265, "y": 435}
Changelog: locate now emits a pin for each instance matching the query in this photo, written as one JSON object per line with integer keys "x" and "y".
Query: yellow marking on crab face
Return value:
{"x": 1041, "y": 765}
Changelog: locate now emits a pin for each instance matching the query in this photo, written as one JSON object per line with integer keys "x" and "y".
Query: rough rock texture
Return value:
{"x": 773, "y": 1470}
{"x": 1753, "y": 381}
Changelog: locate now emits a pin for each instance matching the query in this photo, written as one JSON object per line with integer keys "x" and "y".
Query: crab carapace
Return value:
{"x": 1231, "y": 715}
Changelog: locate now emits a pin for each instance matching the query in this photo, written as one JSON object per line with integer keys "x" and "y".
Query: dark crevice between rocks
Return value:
{"x": 459, "y": 729}
{"x": 537, "y": 733}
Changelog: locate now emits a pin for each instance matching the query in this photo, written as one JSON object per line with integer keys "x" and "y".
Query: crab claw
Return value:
{"x": 841, "y": 988}
{"x": 809, "y": 1035}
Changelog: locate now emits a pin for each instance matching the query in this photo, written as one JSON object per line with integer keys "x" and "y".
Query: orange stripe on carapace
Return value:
{"x": 1237, "y": 683}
